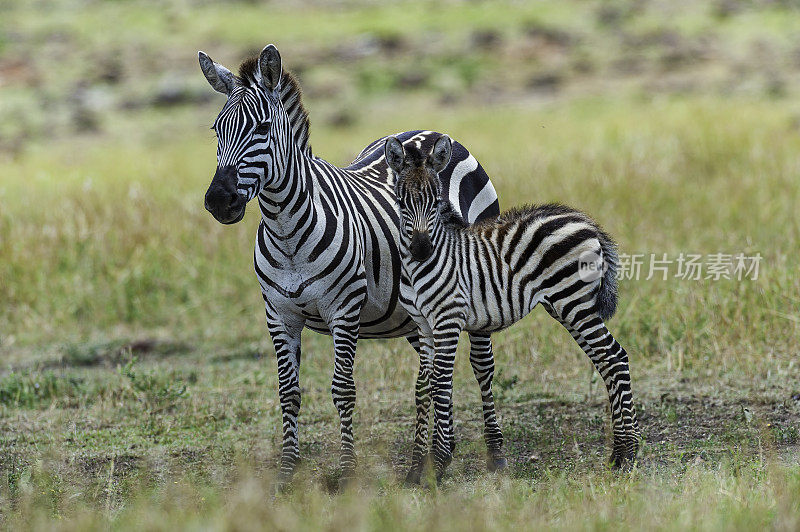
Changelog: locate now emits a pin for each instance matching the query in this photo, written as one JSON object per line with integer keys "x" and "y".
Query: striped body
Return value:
{"x": 487, "y": 276}
{"x": 335, "y": 238}
{"x": 326, "y": 252}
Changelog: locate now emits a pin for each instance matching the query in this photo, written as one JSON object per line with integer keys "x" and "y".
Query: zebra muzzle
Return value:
{"x": 222, "y": 199}
{"x": 421, "y": 246}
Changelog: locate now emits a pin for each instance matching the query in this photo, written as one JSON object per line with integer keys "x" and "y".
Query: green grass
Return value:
{"x": 599, "y": 501}
{"x": 138, "y": 355}
{"x": 137, "y": 381}
{"x": 136, "y": 251}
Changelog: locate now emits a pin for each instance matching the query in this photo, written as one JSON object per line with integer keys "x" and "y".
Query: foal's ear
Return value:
{"x": 219, "y": 77}
{"x": 395, "y": 154}
{"x": 440, "y": 155}
{"x": 269, "y": 67}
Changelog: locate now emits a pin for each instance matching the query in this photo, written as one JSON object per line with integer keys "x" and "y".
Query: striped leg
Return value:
{"x": 482, "y": 360}
{"x": 611, "y": 362}
{"x": 286, "y": 340}
{"x": 343, "y": 389}
{"x": 445, "y": 343}
{"x": 422, "y": 398}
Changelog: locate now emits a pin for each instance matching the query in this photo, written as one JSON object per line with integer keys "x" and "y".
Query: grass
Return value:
{"x": 187, "y": 438}
{"x": 137, "y": 382}
{"x": 598, "y": 501}
{"x": 139, "y": 359}
{"x": 663, "y": 176}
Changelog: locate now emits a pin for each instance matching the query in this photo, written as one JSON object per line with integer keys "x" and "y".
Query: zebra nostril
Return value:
{"x": 211, "y": 201}
{"x": 237, "y": 200}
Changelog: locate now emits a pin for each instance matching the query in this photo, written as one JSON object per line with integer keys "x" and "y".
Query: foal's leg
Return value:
{"x": 588, "y": 329}
{"x": 482, "y": 360}
{"x": 422, "y": 396}
{"x": 445, "y": 343}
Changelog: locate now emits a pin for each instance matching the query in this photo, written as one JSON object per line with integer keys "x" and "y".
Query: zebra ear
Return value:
{"x": 219, "y": 77}
{"x": 269, "y": 67}
{"x": 440, "y": 155}
{"x": 395, "y": 154}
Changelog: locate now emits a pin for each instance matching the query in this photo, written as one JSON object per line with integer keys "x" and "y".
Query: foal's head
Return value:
{"x": 418, "y": 190}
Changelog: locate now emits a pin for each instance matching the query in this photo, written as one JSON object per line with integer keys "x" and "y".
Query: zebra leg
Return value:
{"x": 611, "y": 361}
{"x": 343, "y": 389}
{"x": 445, "y": 343}
{"x": 422, "y": 397}
{"x": 482, "y": 360}
{"x": 286, "y": 340}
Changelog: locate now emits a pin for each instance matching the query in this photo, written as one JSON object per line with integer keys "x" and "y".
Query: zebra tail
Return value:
{"x": 607, "y": 295}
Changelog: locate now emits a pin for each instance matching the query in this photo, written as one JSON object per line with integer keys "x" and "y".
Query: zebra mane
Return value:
{"x": 291, "y": 96}
{"x": 529, "y": 213}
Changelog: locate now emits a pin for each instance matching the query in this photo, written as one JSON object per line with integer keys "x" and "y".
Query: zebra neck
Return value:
{"x": 452, "y": 241}
{"x": 444, "y": 241}
{"x": 288, "y": 203}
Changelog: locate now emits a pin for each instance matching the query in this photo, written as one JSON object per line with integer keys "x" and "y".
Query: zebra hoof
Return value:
{"x": 496, "y": 463}
{"x": 414, "y": 477}
{"x": 625, "y": 452}
{"x": 621, "y": 464}
{"x": 441, "y": 466}
{"x": 346, "y": 482}
{"x": 282, "y": 485}
{"x": 623, "y": 460}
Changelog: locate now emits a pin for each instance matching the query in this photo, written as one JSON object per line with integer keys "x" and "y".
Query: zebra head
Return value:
{"x": 418, "y": 190}
{"x": 252, "y": 131}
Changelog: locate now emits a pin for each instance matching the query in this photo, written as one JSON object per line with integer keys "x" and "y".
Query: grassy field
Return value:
{"x": 137, "y": 381}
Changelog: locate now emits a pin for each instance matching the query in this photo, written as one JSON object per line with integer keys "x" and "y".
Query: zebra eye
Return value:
{"x": 262, "y": 129}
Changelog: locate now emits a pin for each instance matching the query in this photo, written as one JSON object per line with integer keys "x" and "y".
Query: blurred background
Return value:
{"x": 106, "y": 151}
{"x": 674, "y": 123}
{"x": 81, "y": 67}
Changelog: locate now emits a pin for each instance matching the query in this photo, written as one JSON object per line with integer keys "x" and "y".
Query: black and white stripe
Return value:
{"x": 326, "y": 252}
{"x": 485, "y": 277}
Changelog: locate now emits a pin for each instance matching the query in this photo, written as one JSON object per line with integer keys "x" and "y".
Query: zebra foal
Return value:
{"x": 485, "y": 277}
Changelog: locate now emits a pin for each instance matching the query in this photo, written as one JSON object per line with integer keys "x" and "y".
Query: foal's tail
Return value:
{"x": 607, "y": 294}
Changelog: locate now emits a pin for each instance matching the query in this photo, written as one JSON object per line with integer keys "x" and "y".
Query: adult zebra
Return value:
{"x": 326, "y": 252}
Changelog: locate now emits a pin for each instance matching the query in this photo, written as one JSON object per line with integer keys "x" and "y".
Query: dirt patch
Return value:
{"x": 542, "y": 435}
{"x": 109, "y": 354}
{"x": 545, "y": 434}
{"x": 117, "y": 465}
